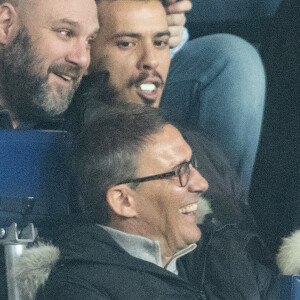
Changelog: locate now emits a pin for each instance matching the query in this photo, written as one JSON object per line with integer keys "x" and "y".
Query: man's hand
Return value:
{"x": 176, "y": 18}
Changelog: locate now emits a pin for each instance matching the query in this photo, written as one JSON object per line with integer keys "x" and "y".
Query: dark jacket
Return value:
{"x": 224, "y": 266}
{"x": 94, "y": 266}
{"x": 231, "y": 264}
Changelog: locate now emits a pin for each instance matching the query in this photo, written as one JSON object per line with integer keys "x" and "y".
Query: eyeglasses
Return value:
{"x": 182, "y": 171}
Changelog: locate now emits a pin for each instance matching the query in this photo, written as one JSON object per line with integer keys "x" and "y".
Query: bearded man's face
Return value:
{"x": 43, "y": 65}
{"x": 27, "y": 92}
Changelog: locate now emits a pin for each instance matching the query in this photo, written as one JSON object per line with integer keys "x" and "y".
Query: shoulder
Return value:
{"x": 232, "y": 263}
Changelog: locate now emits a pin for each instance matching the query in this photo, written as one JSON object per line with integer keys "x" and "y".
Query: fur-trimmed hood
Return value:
{"x": 203, "y": 210}
{"x": 33, "y": 267}
{"x": 288, "y": 257}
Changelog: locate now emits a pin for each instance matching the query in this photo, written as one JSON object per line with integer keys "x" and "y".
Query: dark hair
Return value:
{"x": 93, "y": 92}
{"x": 99, "y": 1}
{"x": 107, "y": 151}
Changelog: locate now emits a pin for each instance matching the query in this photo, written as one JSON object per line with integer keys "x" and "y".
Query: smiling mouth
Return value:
{"x": 65, "y": 77}
{"x": 149, "y": 92}
{"x": 148, "y": 87}
{"x": 190, "y": 209}
{"x": 68, "y": 79}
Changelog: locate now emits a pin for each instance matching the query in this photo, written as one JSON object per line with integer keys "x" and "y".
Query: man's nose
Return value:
{"x": 197, "y": 183}
{"x": 148, "y": 58}
{"x": 79, "y": 54}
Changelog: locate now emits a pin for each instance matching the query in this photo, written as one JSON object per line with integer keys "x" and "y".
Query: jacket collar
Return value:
{"x": 93, "y": 244}
{"x": 146, "y": 249}
{"x": 56, "y": 123}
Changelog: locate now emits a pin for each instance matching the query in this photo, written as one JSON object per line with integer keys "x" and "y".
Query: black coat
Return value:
{"x": 93, "y": 266}
{"x": 231, "y": 264}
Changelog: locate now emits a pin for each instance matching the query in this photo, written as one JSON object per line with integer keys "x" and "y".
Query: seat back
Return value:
{"x": 34, "y": 176}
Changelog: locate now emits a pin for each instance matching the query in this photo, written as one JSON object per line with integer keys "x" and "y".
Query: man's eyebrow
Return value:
{"x": 74, "y": 24}
{"x": 186, "y": 161}
{"x": 65, "y": 21}
{"x": 126, "y": 34}
{"x": 137, "y": 35}
{"x": 164, "y": 33}
{"x": 174, "y": 165}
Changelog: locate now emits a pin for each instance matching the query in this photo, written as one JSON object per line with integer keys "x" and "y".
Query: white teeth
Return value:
{"x": 65, "y": 77}
{"x": 188, "y": 208}
{"x": 148, "y": 87}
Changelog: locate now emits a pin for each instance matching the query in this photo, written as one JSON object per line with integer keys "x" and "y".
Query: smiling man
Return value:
{"x": 215, "y": 83}
{"x": 44, "y": 52}
{"x": 139, "y": 193}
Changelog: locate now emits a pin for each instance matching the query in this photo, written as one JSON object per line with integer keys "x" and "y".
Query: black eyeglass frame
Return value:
{"x": 177, "y": 172}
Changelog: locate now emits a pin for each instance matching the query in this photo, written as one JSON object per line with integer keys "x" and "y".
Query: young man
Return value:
{"x": 44, "y": 52}
{"x": 216, "y": 82}
{"x": 140, "y": 192}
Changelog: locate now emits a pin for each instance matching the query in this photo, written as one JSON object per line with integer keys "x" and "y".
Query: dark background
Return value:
{"x": 273, "y": 26}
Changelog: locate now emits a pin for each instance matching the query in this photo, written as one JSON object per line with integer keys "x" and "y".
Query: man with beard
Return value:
{"x": 216, "y": 82}
{"x": 44, "y": 52}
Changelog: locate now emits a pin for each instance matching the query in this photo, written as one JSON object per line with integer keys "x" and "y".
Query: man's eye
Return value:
{"x": 125, "y": 44}
{"x": 161, "y": 43}
{"x": 90, "y": 41}
{"x": 65, "y": 34}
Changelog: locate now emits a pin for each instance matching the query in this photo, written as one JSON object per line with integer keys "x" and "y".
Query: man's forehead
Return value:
{"x": 124, "y": 3}
{"x": 167, "y": 148}
{"x": 71, "y": 10}
{"x": 132, "y": 14}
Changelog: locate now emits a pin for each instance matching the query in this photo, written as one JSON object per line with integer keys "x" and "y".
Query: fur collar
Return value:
{"x": 203, "y": 210}
{"x": 33, "y": 267}
{"x": 288, "y": 257}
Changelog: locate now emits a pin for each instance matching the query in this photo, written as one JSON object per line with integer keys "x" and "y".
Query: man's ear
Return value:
{"x": 121, "y": 200}
{"x": 9, "y": 23}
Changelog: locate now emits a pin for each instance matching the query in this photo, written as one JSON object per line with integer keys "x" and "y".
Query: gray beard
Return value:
{"x": 26, "y": 93}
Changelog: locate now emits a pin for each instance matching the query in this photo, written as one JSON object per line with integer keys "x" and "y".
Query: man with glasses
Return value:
{"x": 182, "y": 171}
{"x": 139, "y": 193}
